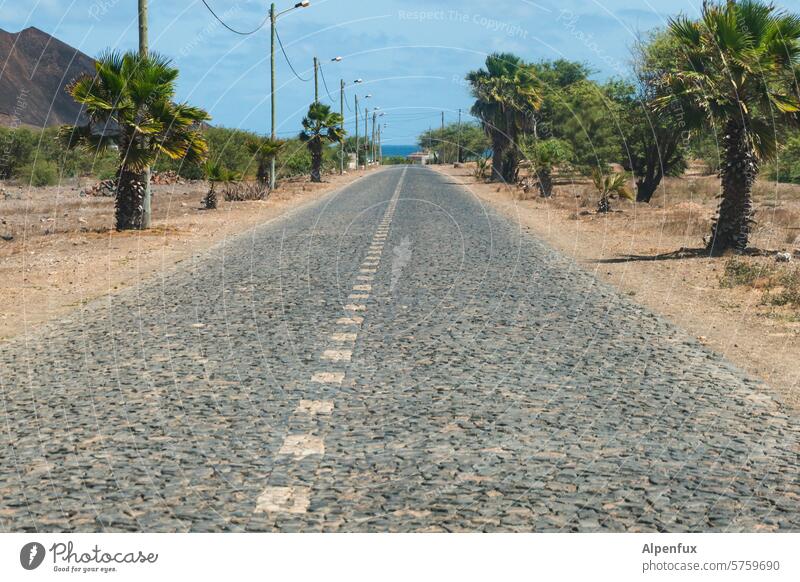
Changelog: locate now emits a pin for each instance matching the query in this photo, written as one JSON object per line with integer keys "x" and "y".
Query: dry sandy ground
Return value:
{"x": 64, "y": 253}
{"x": 620, "y": 248}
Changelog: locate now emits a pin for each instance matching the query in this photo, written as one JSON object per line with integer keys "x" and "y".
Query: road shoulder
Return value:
{"x": 686, "y": 291}
{"x": 46, "y": 277}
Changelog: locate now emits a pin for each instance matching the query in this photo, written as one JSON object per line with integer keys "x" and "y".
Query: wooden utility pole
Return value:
{"x": 356, "y": 116}
{"x": 441, "y": 140}
{"x": 341, "y": 110}
{"x": 147, "y": 204}
{"x": 272, "y": 18}
{"x": 374, "y": 151}
{"x": 316, "y": 80}
{"x": 458, "y": 151}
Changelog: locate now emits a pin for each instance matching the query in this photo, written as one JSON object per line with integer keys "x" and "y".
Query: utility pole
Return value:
{"x": 272, "y": 19}
{"x": 366, "y": 133}
{"x": 441, "y": 140}
{"x": 356, "y": 116}
{"x": 380, "y": 147}
{"x": 374, "y": 151}
{"x": 458, "y": 154}
{"x": 316, "y": 80}
{"x": 341, "y": 108}
{"x": 147, "y": 202}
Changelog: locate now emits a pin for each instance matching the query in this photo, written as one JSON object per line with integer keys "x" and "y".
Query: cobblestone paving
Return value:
{"x": 358, "y": 367}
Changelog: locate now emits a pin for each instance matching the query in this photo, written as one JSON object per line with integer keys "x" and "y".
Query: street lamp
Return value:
{"x": 336, "y": 59}
{"x": 273, "y": 18}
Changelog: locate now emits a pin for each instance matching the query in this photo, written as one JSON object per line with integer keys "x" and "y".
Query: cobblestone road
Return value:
{"x": 395, "y": 357}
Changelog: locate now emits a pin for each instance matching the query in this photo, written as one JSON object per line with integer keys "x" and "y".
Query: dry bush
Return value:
{"x": 780, "y": 285}
{"x": 685, "y": 219}
{"x": 242, "y": 191}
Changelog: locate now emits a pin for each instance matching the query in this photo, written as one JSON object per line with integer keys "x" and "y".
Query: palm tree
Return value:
{"x": 545, "y": 155}
{"x": 216, "y": 173}
{"x": 609, "y": 185}
{"x": 737, "y": 67}
{"x": 320, "y": 125}
{"x": 506, "y": 95}
{"x": 263, "y": 149}
{"x": 129, "y": 105}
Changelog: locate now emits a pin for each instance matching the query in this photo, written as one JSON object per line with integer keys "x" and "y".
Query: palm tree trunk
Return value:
{"x": 129, "y": 210}
{"x": 498, "y": 149}
{"x": 739, "y": 171}
{"x": 262, "y": 172}
{"x": 545, "y": 176}
{"x": 511, "y": 164}
{"x": 316, "y": 162}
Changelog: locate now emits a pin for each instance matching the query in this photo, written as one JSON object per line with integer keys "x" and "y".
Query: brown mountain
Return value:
{"x": 34, "y": 69}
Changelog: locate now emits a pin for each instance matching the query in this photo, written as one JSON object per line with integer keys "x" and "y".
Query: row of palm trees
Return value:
{"x": 735, "y": 71}
{"x": 130, "y": 106}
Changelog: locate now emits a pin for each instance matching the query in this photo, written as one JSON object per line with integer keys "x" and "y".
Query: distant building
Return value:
{"x": 421, "y": 158}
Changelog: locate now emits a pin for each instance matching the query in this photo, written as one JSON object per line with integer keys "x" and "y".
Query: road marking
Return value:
{"x": 337, "y": 355}
{"x": 312, "y": 407}
{"x": 302, "y": 445}
{"x": 328, "y": 377}
{"x": 296, "y": 499}
{"x": 284, "y": 499}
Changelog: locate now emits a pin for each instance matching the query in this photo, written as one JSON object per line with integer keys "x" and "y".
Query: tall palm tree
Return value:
{"x": 737, "y": 68}
{"x": 507, "y": 93}
{"x": 129, "y": 105}
{"x": 320, "y": 126}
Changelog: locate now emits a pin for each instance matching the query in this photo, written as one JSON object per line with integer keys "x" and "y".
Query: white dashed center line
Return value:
{"x": 298, "y": 499}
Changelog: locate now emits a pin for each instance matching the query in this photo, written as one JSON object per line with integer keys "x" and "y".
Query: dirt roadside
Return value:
{"x": 63, "y": 253}
{"x": 687, "y": 291}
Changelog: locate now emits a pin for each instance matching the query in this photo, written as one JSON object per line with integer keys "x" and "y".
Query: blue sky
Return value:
{"x": 412, "y": 54}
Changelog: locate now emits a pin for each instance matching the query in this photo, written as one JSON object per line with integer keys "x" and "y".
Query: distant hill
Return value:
{"x": 34, "y": 69}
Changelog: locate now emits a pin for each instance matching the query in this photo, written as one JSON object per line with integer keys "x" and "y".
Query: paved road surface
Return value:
{"x": 396, "y": 357}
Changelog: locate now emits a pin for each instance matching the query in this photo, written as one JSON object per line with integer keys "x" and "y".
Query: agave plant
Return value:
{"x": 609, "y": 185}
{"x": 320, "y": 126}
{"x": 129, "y": 105}
{"x": 506, "y": 92}
{"x": 737, "y": 69}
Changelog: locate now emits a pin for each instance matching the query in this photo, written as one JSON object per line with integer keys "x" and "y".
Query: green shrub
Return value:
{"x": 40, "y": 173}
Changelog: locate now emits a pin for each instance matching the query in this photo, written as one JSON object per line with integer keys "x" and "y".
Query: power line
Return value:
{"x": 347, "y": 101}
{"x": 321, "y": 72}
{"x": 285, "y": 56}
{"x": 222, "y": 22}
